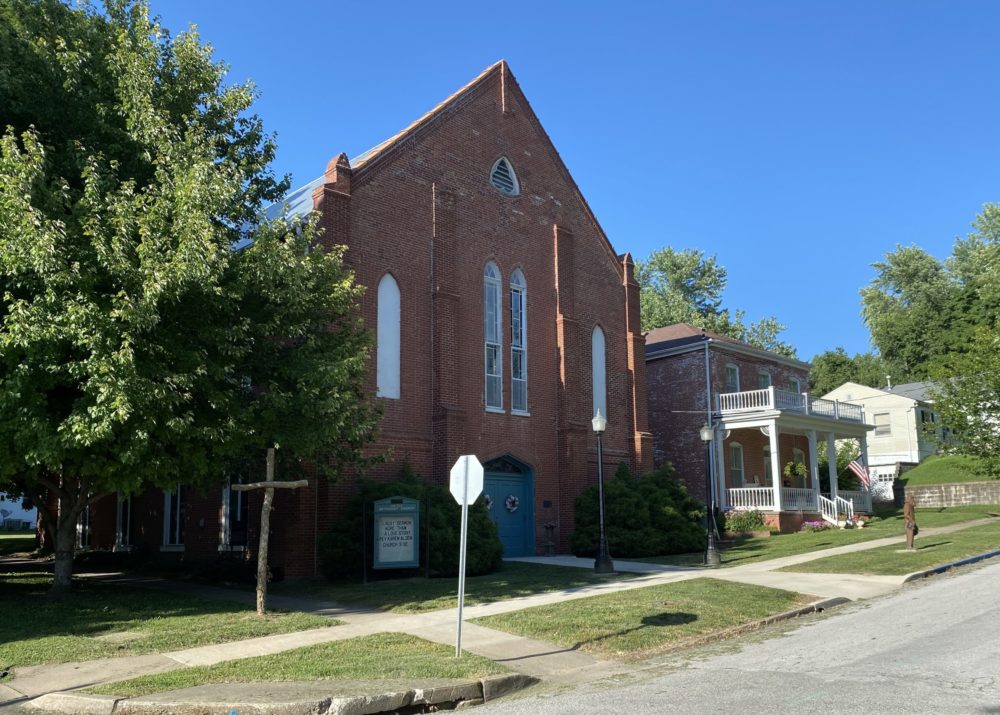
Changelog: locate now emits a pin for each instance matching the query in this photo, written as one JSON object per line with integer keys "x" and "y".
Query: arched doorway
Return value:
{"x": 509, "y": 492}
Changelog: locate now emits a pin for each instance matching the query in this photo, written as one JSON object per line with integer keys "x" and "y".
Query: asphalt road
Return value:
{"x": 933, "y": 647}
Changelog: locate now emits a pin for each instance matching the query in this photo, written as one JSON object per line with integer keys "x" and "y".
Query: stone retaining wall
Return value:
{"x": 939, "y": 495}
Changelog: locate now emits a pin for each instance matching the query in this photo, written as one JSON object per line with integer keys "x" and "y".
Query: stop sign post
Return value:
{"x": 466, "y": 485}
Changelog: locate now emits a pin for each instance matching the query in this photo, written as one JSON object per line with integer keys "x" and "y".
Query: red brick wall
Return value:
{"x": 425, "y": 212}
{"x": 677, "y": 410}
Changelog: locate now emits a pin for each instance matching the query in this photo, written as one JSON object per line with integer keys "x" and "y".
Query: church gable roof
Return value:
{"x": 366, "y": 164}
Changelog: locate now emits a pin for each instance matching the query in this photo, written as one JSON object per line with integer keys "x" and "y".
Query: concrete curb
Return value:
{"x": 457, "y": 695}
{"x": 916, "y": 576}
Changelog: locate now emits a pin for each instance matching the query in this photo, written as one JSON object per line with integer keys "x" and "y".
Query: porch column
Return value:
{"x": 813, "y": 465}
{"x": 863, "y": 441}
{"x": 720, "y": 471}
{"x": 831, "y": 462}
{"x": 775, "y": 464}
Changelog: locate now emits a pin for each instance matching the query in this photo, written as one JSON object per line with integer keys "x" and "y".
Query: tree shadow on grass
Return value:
{"x": 91, "y": 609}
{"x": 660, "y": 620}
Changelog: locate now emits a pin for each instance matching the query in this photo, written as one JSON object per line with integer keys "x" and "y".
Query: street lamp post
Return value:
{"x": 712, "y": 557}
{"x": 603, "y": 563}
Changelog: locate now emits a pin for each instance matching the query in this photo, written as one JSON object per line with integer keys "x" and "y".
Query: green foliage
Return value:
{"x": 136, "y": 346}
{"x": 341, "y": 550}
{"x": 795, "y": 469}
{"x": 646, "y": 516}
{"x": 686, "y": 287}
{"x": 924, "y": 314}
{"x": 847, "y": 450}
{"x": 833, "y": 368}
{"x": 967, "y": 397}
{"x": 744, "y": 521}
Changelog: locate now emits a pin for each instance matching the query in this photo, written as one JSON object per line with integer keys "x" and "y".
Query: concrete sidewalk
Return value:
{"x": 527, "y": 657}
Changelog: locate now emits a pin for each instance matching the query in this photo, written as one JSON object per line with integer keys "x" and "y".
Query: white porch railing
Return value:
{"x": 745, "y": 401}
{"x": 762, "y": 498}
{"x": 771, "y": 398}
{"x": 828, "y": 509}
{"x": 862, "y": 500}
{"x": 797, "y": 499}
{"x": 845, "y": 507}
{"x": 751, "y": 498}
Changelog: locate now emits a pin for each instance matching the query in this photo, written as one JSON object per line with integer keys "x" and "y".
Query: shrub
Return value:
{"x": 342, "y": 553}
{"x": 743, "y": 521}
{"x": 646, "y": 516}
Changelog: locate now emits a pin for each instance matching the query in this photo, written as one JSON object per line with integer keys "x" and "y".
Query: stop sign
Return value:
{"x": 467, "y": 467}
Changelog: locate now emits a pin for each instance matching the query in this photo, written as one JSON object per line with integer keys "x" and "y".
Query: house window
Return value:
{"x": 173, "y": 517}
{"x": 763, "y": 380}
{"x": 794, "y": 385}
{"x": 503, "y": 178}
{"x": 732, "y": 378}
{"x": 493, "y": 333}
{"x": 123, "y": 521}
{"x": 736, "y": 464}
{"x": 235, "y": 514}
{"x": 518, "y": 343}
{"x": 598, "y": 365}
{"x": 882, "y": 425}
{"x": 387, "y": 351}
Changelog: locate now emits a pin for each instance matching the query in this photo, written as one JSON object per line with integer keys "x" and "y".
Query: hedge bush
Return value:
{"x": 646, "y": 516}
{"x": 341, "y": 550}
{"x": 743, "y": 521}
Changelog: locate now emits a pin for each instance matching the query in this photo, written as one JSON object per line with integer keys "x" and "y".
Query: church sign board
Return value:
{"x": 397, "y": 533}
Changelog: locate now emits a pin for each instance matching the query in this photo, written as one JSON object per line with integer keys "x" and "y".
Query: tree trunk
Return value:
{"x": 65, "y": 545}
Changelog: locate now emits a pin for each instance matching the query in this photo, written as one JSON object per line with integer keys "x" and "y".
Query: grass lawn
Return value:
{"x": 889, "y": 522}
{"x": 102, "y": 620}
{"x": 643, "y": 621}
{"x": 377, "y": 657}
{"x": 16, "y": 542}
{"x": 895, "y": 560}
{"x": 945, "y": 469}
{"x": 418, "y": 595}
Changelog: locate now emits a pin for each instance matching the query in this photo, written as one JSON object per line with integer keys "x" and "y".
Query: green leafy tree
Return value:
{"x": 909, "y": 309}
{"x": 137, "y": 347}
{"x": 686, "y": 287}
{"x": 835, "y": 367}
{"x": 967, "y": 397}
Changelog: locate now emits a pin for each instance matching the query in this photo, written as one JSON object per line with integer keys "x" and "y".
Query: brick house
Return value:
{"x": 504, "y": 318}
{"x": 761, "y": 416}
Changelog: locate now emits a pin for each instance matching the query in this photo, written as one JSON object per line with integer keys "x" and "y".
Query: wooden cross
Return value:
{"x": 265, "y": 523}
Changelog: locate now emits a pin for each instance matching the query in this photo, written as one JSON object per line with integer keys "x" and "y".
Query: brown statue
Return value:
{"x": 910, "y": 521}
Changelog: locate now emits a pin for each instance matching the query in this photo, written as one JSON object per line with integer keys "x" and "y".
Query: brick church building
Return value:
{"x": 504, "y": 320}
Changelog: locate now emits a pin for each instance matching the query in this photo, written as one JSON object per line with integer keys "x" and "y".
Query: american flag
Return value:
{"x": 862, "y": 473}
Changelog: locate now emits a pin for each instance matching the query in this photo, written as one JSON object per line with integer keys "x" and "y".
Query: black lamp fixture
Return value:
{"x": 603, "y": 563}
{"x": 712, "y": 557}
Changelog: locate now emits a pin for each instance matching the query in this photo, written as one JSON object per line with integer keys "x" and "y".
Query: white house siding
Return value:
{"x": 906, "y": 441}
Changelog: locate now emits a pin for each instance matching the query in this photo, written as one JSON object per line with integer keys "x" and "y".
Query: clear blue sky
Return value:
{"x": 798, "y": 141}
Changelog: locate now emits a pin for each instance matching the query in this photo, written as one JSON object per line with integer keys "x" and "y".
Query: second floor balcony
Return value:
{"x": 771, "y": 399}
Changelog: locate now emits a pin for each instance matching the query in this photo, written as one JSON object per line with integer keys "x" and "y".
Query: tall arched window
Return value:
{"x": 518, "y": 343}
{"x": 598, "y": 363}
{"x": 492, "y": 334}
{"x": 387, "y": 350}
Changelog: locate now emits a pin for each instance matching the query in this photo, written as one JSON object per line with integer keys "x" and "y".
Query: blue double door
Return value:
{"x": 509, "y": 494}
